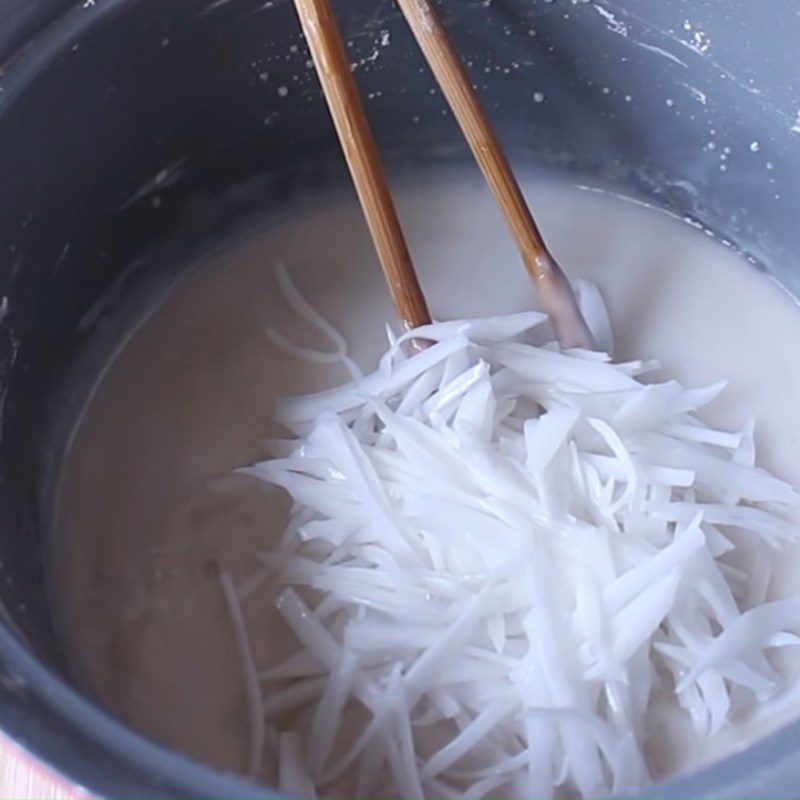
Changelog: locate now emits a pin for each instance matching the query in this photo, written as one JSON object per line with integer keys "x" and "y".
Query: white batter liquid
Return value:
{"x": 144, "y": 530}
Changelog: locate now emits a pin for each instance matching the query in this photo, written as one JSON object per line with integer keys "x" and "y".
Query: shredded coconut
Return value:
{"x": 497, "y": 551}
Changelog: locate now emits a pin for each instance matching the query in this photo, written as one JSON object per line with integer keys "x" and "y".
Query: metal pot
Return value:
{"x": 694, "y": 106}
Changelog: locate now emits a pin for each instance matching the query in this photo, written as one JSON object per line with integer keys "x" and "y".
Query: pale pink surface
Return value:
{"x": 23, "y": 778}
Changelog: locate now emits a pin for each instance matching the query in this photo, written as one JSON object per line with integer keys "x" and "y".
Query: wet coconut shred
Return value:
{"x": 492, "y": 567}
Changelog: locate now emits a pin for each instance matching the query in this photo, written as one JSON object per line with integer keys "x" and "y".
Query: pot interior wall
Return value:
{"x": 135, "y": 133}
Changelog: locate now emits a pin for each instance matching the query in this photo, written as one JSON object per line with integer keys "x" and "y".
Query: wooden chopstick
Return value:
{"x": 553, "y": 287}
{"x": 361, "y": 153}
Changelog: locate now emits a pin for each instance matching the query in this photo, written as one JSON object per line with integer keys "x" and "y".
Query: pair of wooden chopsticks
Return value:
{"x": 333, "y": 67}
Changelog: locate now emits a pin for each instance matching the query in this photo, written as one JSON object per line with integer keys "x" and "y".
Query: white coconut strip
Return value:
{"x": 476, "y": 412}
{"x": 298, "y": 665}
{"x": 545, "y": 435}
{"x": 452, "y": 391}
{"x": 381, "y": 712}
{"x": 313, "y": 636}
{"x": 610, "y": 467}
{"x": 624, "y": 459}
{"x": 340, "y": 443}
{"x": 754, "y": 519}
{"x": 482, "y": 329}
{"x": 420, "y": 390}
{"x": 481, "y": 788}
{"x": 631, "y": 584}
{"x": 633, "y": 626}
{"x": 297, "y": 695}
{"x": 252, "y": 687}
{"x": 759, "y": 625}
{"x": 304, "y": 309}
{"x": 468, "y": 738}
{"x": 704, "y": 435}
{"x": 308, "y": 407}
{"x": 252, "y": 585}
{"x": 595, "y": 312}
{"x": 436, "y": 656}
{"x": 293, "y": 776}
{"x": 328, "y": 712}
{"x": 304, "y": 353}
{"x": 552, "y": 367}
{"x": 717, "y": 474}
{"x": 408, "y": 757}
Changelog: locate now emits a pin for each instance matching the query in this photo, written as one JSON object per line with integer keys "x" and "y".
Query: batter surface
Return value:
{"x": 147, "y": 518}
